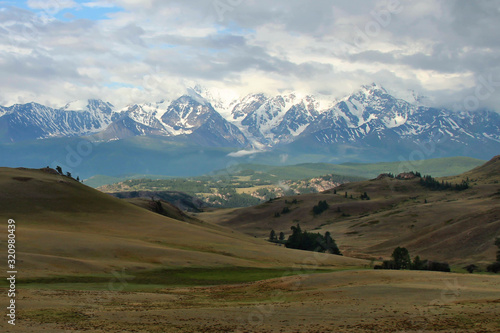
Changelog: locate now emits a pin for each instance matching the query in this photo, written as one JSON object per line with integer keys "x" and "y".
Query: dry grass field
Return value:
{"x": 65, "y": 227}
{"x": 87, "y": 261}
{"x": 346, "y": 301}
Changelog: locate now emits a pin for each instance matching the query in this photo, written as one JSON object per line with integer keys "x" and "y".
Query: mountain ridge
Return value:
{"x": 369, "y": 117}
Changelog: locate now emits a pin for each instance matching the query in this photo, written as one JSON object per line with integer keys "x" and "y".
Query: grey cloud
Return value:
{"x": 210, "y": 41}
{"x": 477, "y": 21}
{"x": 178, "y": 39}
{"x": 195, "y": 63}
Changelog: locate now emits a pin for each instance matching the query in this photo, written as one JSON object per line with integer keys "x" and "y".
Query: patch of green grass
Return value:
{"x": 204, "y": 276}
{"x": 161, "y": 278}
{"x": 48, "y": 316}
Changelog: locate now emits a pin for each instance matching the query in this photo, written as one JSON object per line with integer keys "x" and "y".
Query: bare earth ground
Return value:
{"x": 344, "y": 301}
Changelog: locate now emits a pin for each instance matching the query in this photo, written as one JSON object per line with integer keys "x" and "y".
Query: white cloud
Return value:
{"x": 154, "y": 48}
{"x": 242, "y": 153}
{"x": 51, "y": 7}
{"x": 99, "y": 4}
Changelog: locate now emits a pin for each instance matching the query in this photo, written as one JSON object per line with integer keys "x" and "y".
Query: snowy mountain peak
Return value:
{"x": 78, "y": 105}
{"x": 223, "y": 100}
{"x": 373, "y": 87}
{"x": 187, "y": 113}
{"x": 97, "y": 104}
{"x": 197, "y": 97}
{"x": 272, "y": 120}
{"x": 216, "y": 117}
{"x": 247, "y": 105}
{"x": 91, "y": 105}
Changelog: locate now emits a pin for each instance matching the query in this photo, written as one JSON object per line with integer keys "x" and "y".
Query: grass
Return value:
{"x": 46, "y": 316}
{"x": 437, "y": 167}
{"x": 161, "y": 278}
{"x": 354, "y": 301}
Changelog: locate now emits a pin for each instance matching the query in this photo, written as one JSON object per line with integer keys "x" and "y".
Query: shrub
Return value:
{"x": 320, "y": 207}
{"x": 471, "y": 268}
{"x": 438, "y": 266}
{"x": 401, "y": 260}
{"x": 494, "y": 267}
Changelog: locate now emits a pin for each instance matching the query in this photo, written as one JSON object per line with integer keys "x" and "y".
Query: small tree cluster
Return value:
{"x": 435, "y": 185}
{"x": 320, "y": 207}
{"x": 273, "y": 237}
{"x": 285, "y": 210}
{"x": 495, "y": 267}
{"x": 401, "y": 260}
{"x": 303, "y": 240}
{"x": 68, "y": 174}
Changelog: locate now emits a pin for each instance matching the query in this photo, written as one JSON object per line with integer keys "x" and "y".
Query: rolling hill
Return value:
{"x": 438, "y": 167}
{"x": 90, "y": 262}
{"x": 455, "y": 226}
{"x": 67, "y": 228}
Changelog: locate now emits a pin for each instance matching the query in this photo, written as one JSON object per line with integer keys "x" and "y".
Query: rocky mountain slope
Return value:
{"x": 370, "y": 117}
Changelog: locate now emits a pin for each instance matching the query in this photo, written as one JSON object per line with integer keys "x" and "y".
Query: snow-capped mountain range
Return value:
{"x": 369, "y": 117}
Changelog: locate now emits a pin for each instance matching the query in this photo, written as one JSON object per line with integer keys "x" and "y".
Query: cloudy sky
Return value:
{"x": 125, "y": 51}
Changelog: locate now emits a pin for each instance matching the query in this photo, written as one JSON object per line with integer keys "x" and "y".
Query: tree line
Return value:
{"x": 433, "y": 184}
{"x": 401, "y": 260}
{"x": 68, "y": 174}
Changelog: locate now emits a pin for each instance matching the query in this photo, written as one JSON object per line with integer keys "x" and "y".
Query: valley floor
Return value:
{"x": 343, "y": 301}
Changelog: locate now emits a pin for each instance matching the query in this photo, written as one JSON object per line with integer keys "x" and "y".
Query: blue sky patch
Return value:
{"x": 85, "y": 9}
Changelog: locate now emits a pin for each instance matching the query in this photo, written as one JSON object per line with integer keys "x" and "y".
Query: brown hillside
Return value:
{"x": 455, "y": 226}
{"x": 488, "y": 173}
{"x": 63, "y": 226}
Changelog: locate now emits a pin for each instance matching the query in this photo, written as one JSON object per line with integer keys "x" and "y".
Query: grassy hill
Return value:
{"x": 455, "y": 226}
{"x": 243, "y": 185}
{"x": 438, "y": 167}
{"x": 90, "y": 262}
{"x": 67, "y": 228}
{"x": 100, "y": 180}
{"x": 484, "y": 174}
